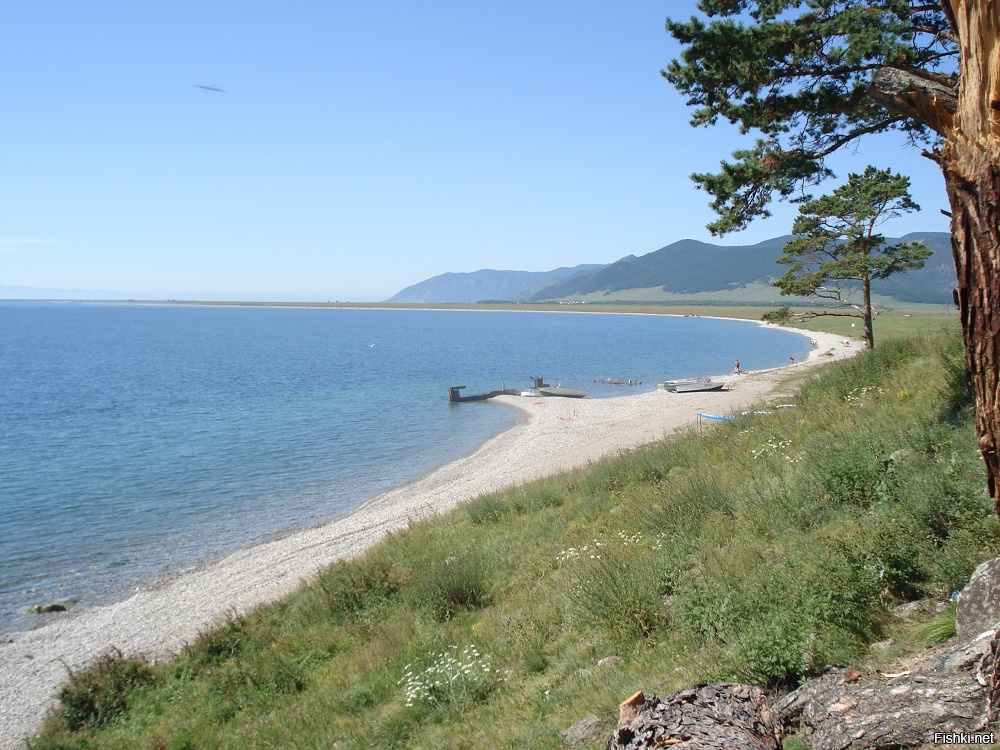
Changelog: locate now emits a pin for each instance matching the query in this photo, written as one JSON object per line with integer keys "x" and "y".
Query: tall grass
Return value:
{"x": 773, "y": 545}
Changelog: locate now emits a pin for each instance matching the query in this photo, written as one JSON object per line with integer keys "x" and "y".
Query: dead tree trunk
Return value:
{"x": 712, "y": 717}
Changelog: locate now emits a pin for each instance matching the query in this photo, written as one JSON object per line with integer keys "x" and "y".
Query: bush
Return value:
{"x": 351, "y": 587}
{"x": 223, "y": 643}
{"x": 780, "y": 316}
{"x": 618, "y": 589}
{"x": 454, "y": 584}
{"x": 100, "y": 694}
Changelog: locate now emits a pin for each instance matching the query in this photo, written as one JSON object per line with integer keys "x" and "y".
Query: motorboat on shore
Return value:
{"x": 545, "y": 389}
{"x": 692, "y": 385}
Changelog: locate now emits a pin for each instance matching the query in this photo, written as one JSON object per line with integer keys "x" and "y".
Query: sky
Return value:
{"x": 352, "y": 148}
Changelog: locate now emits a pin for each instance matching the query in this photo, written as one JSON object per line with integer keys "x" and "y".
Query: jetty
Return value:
{"x": 455, "y": 397}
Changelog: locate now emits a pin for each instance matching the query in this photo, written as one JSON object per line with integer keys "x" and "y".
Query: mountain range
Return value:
{"x": 685, "y": 271}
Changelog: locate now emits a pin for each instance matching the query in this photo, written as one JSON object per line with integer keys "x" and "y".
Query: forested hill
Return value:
{"x": 687, "y": 269}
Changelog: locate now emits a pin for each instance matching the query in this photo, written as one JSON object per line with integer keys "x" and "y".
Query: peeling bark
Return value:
{"x": 711, "y": 717}
{"x": 970, "y": 161}
{"x": 975, "y": 229}
{"x": 929, "y": 99}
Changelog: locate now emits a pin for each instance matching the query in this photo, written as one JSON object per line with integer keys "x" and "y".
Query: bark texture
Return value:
{"x": 953, "y": 690}
{"x": 711, "y": 717}
{"x": 970, "y": 161}
{"x": 950, "y": 692}
{"x": 975, "y": 239}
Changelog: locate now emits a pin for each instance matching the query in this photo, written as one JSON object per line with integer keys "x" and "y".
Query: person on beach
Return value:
{"x": 791, "y": 360}
{"x": 736, "y": 368}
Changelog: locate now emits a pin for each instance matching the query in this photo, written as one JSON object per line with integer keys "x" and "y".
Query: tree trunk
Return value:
{"x": 970, "y": 161}
{"x": 976, "y": 248}
{"x": 866, "y": 317}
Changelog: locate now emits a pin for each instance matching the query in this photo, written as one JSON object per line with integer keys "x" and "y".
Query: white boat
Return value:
{"x": 558, "y": 390}
{"x": 690, "y": 385}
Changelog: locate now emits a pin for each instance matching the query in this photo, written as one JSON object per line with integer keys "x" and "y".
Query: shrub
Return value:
{"x": 223, "y": 643}
{"x": 780, "y": 316}
{"x": 99, "y": 695}
{"x": 456, "y": 583}
{"x": 618, "y": 590}
{"x": 350, "y": 587}
{"x": 267, "y": 674}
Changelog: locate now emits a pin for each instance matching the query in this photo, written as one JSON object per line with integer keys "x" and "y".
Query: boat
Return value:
{"x": 455, "y": 397}
{"x": 545, "y": 389}
{"x": 691, "y": 385}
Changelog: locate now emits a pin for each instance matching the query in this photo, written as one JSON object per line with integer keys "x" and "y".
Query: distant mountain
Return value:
{"x": 687, "y": 270}
{"x": 685, "y": 267}
{"x": 477, "y": 286}
{"x": 934, "y": 282}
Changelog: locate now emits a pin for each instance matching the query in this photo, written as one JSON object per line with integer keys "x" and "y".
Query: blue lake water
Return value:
{"x": 140, "y": 440}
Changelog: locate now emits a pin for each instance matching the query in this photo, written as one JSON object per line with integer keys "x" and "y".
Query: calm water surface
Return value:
{"x": 137, "y": 441}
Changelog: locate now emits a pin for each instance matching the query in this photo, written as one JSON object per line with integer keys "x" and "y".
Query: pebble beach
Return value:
{"x": 554, "y": 435}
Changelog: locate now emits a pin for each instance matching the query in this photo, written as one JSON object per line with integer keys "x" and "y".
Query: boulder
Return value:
{"x": 585, "y": 732}
{"x": 978, "y": 608}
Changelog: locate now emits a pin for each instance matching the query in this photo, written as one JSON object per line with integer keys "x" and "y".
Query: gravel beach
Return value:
{"x": 556, "y": 434}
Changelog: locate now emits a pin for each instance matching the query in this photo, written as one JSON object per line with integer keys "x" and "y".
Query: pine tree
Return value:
{"x": 813, "y": 76}
{"x": 837, "y": 251}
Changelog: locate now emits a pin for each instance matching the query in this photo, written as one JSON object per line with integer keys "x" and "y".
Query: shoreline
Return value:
{"x": 554, "y": 435}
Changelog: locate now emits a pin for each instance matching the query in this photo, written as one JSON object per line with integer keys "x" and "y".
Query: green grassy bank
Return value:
{"x": 759, "y": 551}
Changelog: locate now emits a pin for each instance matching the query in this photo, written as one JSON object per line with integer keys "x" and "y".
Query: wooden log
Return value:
{"x": 727, "y": 716}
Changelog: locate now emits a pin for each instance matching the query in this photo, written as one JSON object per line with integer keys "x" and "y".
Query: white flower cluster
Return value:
{"x": 593, "y": 550}
{"x": 451, "y": 678}
{"x": 858, "y": 395}
{"x": 628, "y": 539}
{"x": 659, "y": 541}
{"x": 773, "y": 447}
{"x": 572, "y": 553}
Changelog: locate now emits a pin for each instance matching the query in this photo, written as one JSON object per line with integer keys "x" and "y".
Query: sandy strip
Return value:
{"x": 558, "y": 434}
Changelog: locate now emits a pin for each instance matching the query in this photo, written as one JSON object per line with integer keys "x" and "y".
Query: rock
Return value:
{"x": 586, "y": 731}
{"x": 978, "y": 607}
{"x": 901, "y": 455}
{"x": 945, "y": 693}
{"x": 726, "y": 716}
{"x": 920, "y": 607}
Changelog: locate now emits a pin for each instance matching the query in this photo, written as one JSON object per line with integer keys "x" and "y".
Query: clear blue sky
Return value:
{"x": 356, "y": 147}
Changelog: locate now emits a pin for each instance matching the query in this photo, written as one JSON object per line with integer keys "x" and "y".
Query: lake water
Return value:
{"x": 140, "y": 440}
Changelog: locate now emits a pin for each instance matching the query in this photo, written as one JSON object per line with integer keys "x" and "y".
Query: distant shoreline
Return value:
{"x": 752, "y": 310}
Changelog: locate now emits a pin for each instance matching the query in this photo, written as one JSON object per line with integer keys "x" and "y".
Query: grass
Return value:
{"x": 762, "y": 550}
